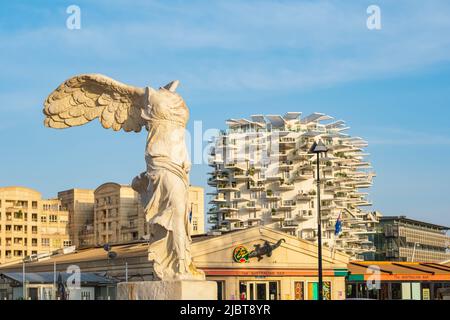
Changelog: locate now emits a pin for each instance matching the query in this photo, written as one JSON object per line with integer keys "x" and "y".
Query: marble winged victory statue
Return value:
{"x": 163, "y": 187}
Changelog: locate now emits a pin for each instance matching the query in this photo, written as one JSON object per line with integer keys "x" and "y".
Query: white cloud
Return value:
{"x": 233, "y": 45}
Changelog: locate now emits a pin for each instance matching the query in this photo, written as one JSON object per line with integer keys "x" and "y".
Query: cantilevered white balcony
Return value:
{"x": 240, "y": 198}
{"x": 251, "y": 206}
{"x": 232, "y": 217}
{"x": 304, "y": 215}
{"x": 213, "y": 181}
{"x": 227, "y": 187}
{"x": 273, "y": 177}
{"x": 235, "y": 166}
{"x": 289, "y": 225}
{"x": 302, "y": 176}
{"x": 287, "y": 142}
{"x": 277, "y": 215}
{"x": 242, "y": 177}
{"x": 270, "y": 196}
{"x": 226, "y": 208}
{"x": 303, "y": 197}
{"x": 213, "y": 219}
{"x": 285, "y": 186}
{"x": 218, "y": 199}
{"x": 254, "y": 186}
{"x": 287, "y": 205}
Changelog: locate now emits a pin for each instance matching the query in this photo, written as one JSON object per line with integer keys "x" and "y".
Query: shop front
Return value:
{"x": 381, "y": 280}
{"x": 265, "y": 264}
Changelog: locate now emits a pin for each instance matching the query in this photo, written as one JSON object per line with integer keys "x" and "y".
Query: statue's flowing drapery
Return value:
{"x": 166, "y": 206}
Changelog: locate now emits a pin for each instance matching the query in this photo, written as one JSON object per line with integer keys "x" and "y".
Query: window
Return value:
{"x": 45, "y": 242}
{"x": 299, "y": 290}
{"x": 220, "y": 290}
{"x": 34, "y": 217}
{"x": 56, "y": 243}
{"x": 18, "y": 215}
{"x": 53, "y": 218}
{"x": 43, "y": 219}
{"x": 67, "y": 243}
{"x": 273, "y": 290}
{"x": 194, "y": 224}
{"x": 18, "y": 253}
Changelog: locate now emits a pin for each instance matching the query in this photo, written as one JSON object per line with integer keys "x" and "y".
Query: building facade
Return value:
{"x": 118, "y": 215}
{"x": 398, "y": 280}
{"x": 197, "y": 206}
{"x": 263, "y": 174}
{"x": 113, "y": 213}
{"x": 289, "y": 272}
{"x": 80, "y": 205}
{"x": 399, "y": 238}
{"x": 30, "y": 225}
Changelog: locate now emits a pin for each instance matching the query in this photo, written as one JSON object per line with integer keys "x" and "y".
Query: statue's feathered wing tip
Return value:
{"x": 172, "y": 86}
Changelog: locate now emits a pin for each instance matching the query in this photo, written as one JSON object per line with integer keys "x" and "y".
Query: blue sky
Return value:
{"x": 234, "y": 59}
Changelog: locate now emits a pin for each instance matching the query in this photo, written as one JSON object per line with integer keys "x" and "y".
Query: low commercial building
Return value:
{"x": 399, "y": 238}
{"x": 398, "y": 280}
{"x": 30, "y": 225}
{"x": 44, "y": 285}
{"x": 288, "y": 273}
{"x": 253, "y": 264}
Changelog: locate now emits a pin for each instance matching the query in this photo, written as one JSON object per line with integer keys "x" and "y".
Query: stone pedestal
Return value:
{"x": 167, "y": 290}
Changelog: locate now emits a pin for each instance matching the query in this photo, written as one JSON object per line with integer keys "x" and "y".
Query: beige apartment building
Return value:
{"x": 112, "y": 214}
{"x": 197, "y": 203}
{"x": 80, "y": 205}
{"x": 30, "y": 225}
{"x": 118, "y": 214}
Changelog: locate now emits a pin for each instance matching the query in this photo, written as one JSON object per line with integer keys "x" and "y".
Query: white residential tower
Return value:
{"x": 264, "y": 175}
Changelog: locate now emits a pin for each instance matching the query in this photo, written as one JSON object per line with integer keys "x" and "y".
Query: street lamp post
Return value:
{"x": 318, "y": 148}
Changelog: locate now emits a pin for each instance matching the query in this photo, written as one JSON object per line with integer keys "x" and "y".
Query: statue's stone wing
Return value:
{"x": 85, "y": 97}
